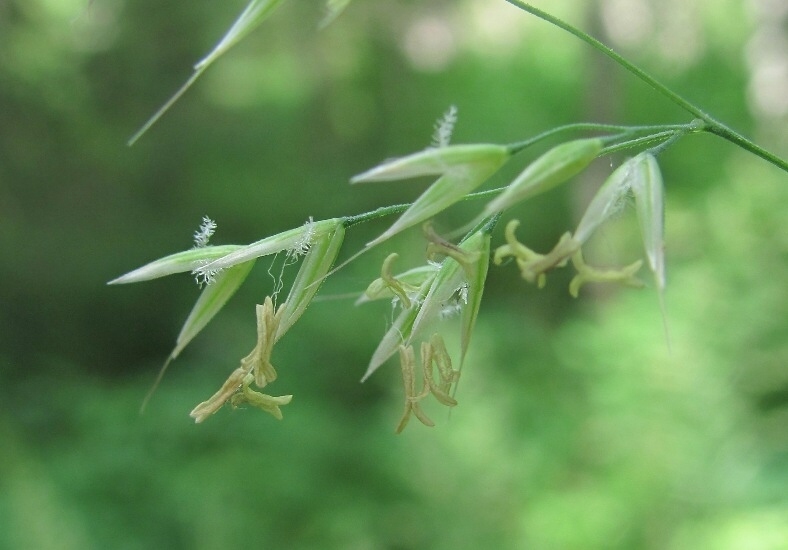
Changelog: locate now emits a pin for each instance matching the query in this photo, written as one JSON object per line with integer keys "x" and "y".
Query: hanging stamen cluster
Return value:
{"x": 256, "y": 368}
{"x": 433, "y": 353}
{"x": 640, "y": 176}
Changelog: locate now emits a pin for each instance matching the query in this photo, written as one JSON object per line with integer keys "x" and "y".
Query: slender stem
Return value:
{"x": 349, "y": 221}
{"x": 712, "y": 125}
{"x": 642, "y": 75}
{"x": 373, "y": 214}
{"x": 734, "y": 137}
{"x": 638, "y": 141}
{"x": 589, "y": 126}
{"x": 657, "y": 149}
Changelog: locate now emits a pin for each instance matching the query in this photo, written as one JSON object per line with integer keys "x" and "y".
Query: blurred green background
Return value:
{"x": 577, "y": 427}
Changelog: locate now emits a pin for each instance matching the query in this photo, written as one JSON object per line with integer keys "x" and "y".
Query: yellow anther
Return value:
{"x": 588, "y": 274}
{"x": 267, "y": 403}
{"x": 255, "y": 367}
{"x": 258, "y": 362}
{"x": 432, "y": 352}
{"x": 534, "y": 266}
{"x": 408, "y": 364}
{"x": 438, "y": 246}
{"x": 399, "y": 289}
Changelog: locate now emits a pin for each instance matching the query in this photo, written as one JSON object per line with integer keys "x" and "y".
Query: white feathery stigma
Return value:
{"x": 204, "y": 276}
{"x": 204, "y": 233}
{"x": 454, "y": 306}
{"x": 201, "y": 237}
{"x": 302, "y": 245}
{"x": 444, "y": 128}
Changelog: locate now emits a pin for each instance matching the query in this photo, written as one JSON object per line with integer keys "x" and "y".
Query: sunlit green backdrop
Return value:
{"x": 577, "y": 426}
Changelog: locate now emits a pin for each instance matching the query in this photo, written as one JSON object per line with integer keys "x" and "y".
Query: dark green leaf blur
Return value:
{"x": 577, "y": 426}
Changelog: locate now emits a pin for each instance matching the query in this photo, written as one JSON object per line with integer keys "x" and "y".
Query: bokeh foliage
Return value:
{"x": 576, "y": 427}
